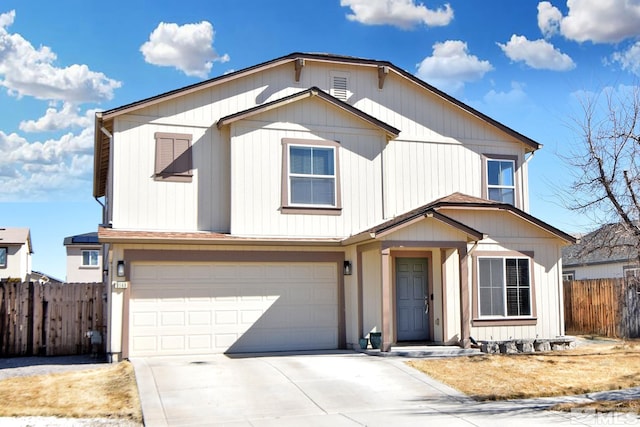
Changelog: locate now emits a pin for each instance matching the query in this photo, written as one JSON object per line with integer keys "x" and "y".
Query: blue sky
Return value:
{"x": 523, "y": 63}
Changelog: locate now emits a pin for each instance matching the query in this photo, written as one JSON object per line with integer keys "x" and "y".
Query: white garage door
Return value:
{"x": 232, "y": 307}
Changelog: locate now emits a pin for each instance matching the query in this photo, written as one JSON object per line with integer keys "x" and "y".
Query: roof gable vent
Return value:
{"x": 340, "y": 86}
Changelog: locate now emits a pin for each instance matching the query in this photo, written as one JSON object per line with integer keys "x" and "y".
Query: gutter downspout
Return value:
{"x": 106, "y": 277}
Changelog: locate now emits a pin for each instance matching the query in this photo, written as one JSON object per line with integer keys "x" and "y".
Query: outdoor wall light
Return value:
{"x": 347, "y": 268}
{"x": 120, "y": 269}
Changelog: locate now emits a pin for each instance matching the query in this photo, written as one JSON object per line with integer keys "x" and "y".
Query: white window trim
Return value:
{"x": 286, "y": 206}
{"x": 6, "y": 256}
{"x": 300, "y": 175}
{"x": 83, "y": 265}
{"x": 504, "y": 288}
{"x": 498, "y": 186}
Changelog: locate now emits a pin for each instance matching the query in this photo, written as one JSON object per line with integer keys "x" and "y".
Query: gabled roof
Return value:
{"x": 82, "y": 239}
{"x": 15, "y": 236}
{"x": 461, "y": 201}
{"x": 305, "y": 94}
{"x": 611, "y": 243}
{"x": 297, "y": 59}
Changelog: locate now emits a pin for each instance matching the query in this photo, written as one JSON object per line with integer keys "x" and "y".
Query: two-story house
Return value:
{"x": 15, "y": 253}
{"x": 84, "y": 258}
{"x": 307, "y": 201}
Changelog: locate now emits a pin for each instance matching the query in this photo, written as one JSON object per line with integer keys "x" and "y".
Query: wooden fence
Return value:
{"x": 51, "y": 319}
{"x": 607, "y": 307}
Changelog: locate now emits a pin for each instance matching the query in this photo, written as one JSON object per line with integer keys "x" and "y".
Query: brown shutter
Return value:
{"x": 173, "y": 157}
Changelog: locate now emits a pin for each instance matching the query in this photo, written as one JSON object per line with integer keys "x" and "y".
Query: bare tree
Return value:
{"x": 605, "y": 165}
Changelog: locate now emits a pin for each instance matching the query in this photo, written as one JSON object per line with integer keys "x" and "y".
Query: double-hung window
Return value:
{"x": 501, "y": 180}
{"x": 312, "y": 176}
{"x": 504, "y": 287}
{"x": 90, "y": 258}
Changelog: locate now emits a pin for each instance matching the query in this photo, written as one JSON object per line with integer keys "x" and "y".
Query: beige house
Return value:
{"x": 15, "y": 254}
{"x": 310, "y": 200}
{"x": 84, "y": 258}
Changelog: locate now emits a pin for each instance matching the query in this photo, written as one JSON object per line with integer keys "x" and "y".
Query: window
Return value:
{"x": 173, "y": 157}
{"x": 3, "y": 257}
{"x": 90, "y": 258}
{"x": 504, "y": 287}
{"x": 310, "y": 178}
{"x": 568, "y": 276}
{"x": 500, "y": 181}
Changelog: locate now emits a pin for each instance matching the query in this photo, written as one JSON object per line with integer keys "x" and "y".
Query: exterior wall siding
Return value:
{"x": 76, "y": 272}
{"x": 437, "y": 153}
{"x": 601, "y": 271}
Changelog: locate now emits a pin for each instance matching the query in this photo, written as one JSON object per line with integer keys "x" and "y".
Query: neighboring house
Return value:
{"x": 307, "y": 201}
{"x": 84, "y": 258}
{"x": 15, "y": 253}
{"x": 43, "y": 279}
{"x": 608, "y": 252}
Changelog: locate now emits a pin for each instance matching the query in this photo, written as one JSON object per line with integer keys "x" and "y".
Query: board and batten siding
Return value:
{"x": 437, "y": 153}
{"x": 506, "y": 233}
{"x": 142, "y": 203}
{"x": 256, "y": 168}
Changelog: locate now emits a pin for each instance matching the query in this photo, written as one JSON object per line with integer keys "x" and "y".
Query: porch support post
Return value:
{"x": 388, "y": 337}
{"x": 465, "y": 309}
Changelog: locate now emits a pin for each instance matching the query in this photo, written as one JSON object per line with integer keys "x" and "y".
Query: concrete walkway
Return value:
{"x": 340, "y": 388}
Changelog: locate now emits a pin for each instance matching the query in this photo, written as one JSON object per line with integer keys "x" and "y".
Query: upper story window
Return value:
{"x": 500, "y": 180}
{"x": 504, "y": 287}
{"x": 3, "y": 257}
{"x": 173, "y": 157}
{"x": 310, "y": 175}
{"x": 90, "y": 258}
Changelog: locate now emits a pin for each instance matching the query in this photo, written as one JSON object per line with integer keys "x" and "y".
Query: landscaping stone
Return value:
{"x": 542, "y": 346}
{"x": 525, "y": 346}
{"x": 508, "y": 347}
{"x": 489, "y": 347}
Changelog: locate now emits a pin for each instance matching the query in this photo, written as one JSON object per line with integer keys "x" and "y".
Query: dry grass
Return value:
{"x": 109, "y": 392}
{"x": 496, "y": 377}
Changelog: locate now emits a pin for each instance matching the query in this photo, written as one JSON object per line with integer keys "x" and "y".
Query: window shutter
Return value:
{"x": 173, "y": 157}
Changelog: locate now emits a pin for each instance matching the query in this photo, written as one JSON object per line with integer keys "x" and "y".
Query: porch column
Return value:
{"x": 465, "y": 309}
{"x": 388, "y": 337}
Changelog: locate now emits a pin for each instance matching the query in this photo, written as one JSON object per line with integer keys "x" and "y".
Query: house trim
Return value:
{"x": 286, "y": 207}
{"x": 312, "y": 92}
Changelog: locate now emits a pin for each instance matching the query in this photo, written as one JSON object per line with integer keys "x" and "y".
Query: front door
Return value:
{"x": 412, "y": 299}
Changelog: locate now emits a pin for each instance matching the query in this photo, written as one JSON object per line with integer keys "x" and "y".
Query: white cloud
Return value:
{"x": 54, "y": 169}
{"x": 451, "y": 66}
{"x": 54, "y": 119}
{"x": 549, "y": 18}
{"x": 538, "y": 54}
{"x": 399, "y": 13}
{"x": 598, "y": 21}
{"x": 25, "y": 70}
{"x": 187, "y": 48}
{"x": 629, "y": 59}
{"x": 515, "y": 96}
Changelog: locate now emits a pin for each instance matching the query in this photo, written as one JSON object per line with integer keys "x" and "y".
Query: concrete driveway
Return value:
{"x": 315, "y": 389}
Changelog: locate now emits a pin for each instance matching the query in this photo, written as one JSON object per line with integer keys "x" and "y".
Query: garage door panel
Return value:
{"x": 233, "y": 307}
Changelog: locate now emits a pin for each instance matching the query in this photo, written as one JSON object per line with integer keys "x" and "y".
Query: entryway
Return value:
{"x": 412, "y": 299}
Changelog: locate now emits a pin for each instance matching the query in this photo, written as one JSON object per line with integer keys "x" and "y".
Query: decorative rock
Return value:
{"x": 524, "y": 346}
{"x": 542, "y": 346}
{"x": 490, "y": 347}
{"x": 508, "y": 347}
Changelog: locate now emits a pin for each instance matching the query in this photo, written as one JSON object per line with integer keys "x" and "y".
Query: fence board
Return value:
{"x": 51, "y": 319}
{"x": 607, "y": 307}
